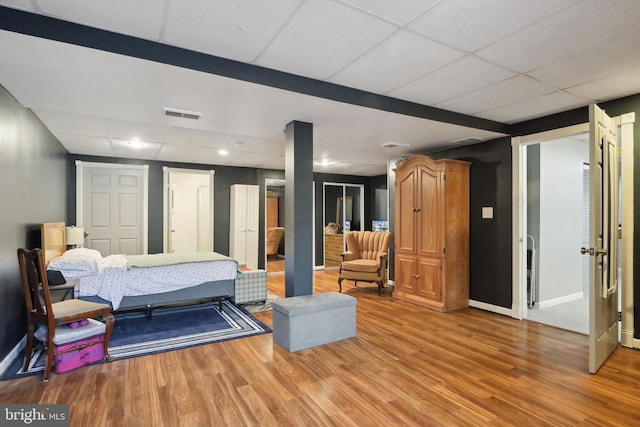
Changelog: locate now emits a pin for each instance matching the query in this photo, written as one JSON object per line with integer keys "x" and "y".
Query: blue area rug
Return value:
{"x": 169, "y": 329}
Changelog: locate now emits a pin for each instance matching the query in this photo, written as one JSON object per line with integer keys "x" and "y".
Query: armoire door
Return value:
{"x": 429, "y": 211}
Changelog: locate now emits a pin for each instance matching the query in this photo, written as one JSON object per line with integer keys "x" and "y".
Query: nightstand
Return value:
{"x": 68, "y": 288}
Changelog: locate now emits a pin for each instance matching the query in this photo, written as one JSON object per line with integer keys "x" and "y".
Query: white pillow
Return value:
{"x": 85, "y": 252}
{"x": 75, "y": 266}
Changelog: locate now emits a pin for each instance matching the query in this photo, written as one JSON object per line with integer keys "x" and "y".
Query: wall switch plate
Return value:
{"x": 487, "y": 212}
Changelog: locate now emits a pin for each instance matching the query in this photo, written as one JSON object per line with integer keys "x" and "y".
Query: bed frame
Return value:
{"x": 54, "y": 245}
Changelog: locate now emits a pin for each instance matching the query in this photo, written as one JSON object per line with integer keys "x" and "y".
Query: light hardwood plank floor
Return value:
{"x": 407, "y": 366}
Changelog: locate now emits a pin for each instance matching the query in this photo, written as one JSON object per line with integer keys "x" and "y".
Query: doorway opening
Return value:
{"x": 343, "y": 211}
{"x": 274, "y": 225}
{"x": 188, "y": 207}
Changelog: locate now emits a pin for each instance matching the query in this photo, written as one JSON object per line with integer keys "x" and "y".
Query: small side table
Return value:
{"x": 67, "y": 288}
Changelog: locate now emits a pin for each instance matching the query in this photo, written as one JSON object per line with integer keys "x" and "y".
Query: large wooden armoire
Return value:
{"x": 432, "y": 233}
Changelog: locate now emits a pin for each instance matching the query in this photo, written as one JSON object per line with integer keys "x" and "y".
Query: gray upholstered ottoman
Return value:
{"x": 251, "y": 286}
{"x": 310, "y": 320}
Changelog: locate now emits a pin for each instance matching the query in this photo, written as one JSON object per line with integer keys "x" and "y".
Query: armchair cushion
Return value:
{"x": 362, "y": 265}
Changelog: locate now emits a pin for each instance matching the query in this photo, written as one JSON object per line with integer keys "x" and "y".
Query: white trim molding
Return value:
{"x": 492, "y": 308}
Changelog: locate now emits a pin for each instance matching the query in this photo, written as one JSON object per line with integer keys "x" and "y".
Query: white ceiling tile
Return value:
{"x": 121, "y": 129}
{"x": 322, "y": 38}
{"x": 180, "y": 153}
{"x": 471, "y": 25}
{"x": 610, "y": 87}
{"x": 141, "y": 18}
{"x": 190, "y": 137}
{"x": 592, "y": 64}
{"x": 82, "y": 144}
{"x": 274, "y": 162}
{"x": 504, "y": 93}
{"x": 249, "y": 159}
{"x": 400, "y": 12}
{"x": 395, "y": 62}
{"x": 575, "y": 29}
{"x": 463, "y": 76}
{"x": 537, "y": 107}
{"x": 232, "y": 29}
{"x": 18, "y": 4}
{"x": 72, "y": 123}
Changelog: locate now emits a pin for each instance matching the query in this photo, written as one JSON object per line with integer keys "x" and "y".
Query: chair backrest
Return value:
{"x": 35, "y": 284}
{"x": 274, "y": 236}
{"x": 368, "y": 244}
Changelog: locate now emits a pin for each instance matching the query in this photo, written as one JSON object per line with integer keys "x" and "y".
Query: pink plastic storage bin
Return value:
{"x": 88, "y": 336}
{"x": 92, "y": 353}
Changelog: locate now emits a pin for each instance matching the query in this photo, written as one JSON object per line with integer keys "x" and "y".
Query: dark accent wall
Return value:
{"x": 490, "y": 240}
{"x": 33, "y": 174}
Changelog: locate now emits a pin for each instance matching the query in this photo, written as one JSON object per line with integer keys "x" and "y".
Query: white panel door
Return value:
{"x": 603, "y": 267}
{"x": 244, "y": 225}
{"x": 252, "y": 226}
{"x": 112, "y": 207}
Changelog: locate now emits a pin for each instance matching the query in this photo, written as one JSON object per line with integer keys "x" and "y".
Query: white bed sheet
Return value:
{"x": 115, "y": 281}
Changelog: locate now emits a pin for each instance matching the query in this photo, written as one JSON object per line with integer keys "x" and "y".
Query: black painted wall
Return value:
{"x": 490, "y": 240}
{"x": 33, "y": 172}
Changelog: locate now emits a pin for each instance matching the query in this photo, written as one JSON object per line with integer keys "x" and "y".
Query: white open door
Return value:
{"x": 603, "y": 286}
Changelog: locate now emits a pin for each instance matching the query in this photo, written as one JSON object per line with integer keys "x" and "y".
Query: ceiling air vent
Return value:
{"x": 468, "y": 141}
{"x": 184, "y": 114}
{"x": 394, "y": 145}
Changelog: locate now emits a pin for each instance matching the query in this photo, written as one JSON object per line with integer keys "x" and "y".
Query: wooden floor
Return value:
{"x": 407, "y": 366}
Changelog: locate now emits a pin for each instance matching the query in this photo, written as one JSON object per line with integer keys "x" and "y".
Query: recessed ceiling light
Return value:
{"x": 223, "y": 152}
{"x": 136, "y": 143}
{"x": 324, "y": 162}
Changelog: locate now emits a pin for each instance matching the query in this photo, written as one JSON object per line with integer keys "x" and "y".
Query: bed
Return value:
{"x": 140, "y": 282}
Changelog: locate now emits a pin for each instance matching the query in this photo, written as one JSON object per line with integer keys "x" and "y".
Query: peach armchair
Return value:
{"x": 366, "y": 258}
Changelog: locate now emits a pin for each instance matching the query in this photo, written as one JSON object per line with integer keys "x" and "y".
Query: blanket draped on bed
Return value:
{"x": 155, "y": 260}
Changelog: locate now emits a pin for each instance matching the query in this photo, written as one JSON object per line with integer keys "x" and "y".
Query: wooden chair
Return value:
{"x": 40, "y": 309}
{"x": 366, "y": 258}
{"x": 274, "y": 237}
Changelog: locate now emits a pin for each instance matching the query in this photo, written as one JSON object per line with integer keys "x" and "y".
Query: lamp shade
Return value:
{"x": 74, "y": 235}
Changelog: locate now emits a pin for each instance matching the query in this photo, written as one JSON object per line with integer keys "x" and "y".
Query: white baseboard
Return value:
{"x": 636, "y": 343}
{"x": 626, "y": 338}
{"x": 560, "y": 300}
{"x": 492, "y": 308}
{"x": 13, "y": 354}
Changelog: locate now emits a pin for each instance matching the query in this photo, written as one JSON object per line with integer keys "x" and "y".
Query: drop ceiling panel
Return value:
{"x": 569, "y": 32}
{"x": 89, "y": 145}
{"x": 400, "y": 12}
{"x": 314, "y": 43}
{"x": 72, "y": 123}
{"x": 190, "y": 137}
{"x": 466, "y": 75}
{"x": 615, "y": 86}
{"x": 141, "y": 18}
{"x": 588, "y": 65}
{"x": 19, "y": 4}
{"x": 536, "y": 107}
{"x": 471, "y": 25}
{"x": 274, "y": 162}
{"x": 121, "y": 129}
{"x": 181, "y": 153}
{"x": 233, "y": 29}
{"x": 517, "y": 89}
{"x": 395, "y": 62}
{"x": 249, "y": 159}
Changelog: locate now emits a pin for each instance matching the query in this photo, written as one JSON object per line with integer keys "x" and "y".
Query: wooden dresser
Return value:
{"x": 333, "y": 248}
{"x": 432, "y": 233}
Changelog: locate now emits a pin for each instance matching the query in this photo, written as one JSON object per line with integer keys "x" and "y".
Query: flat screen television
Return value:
{"x": 379, "y": 225}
